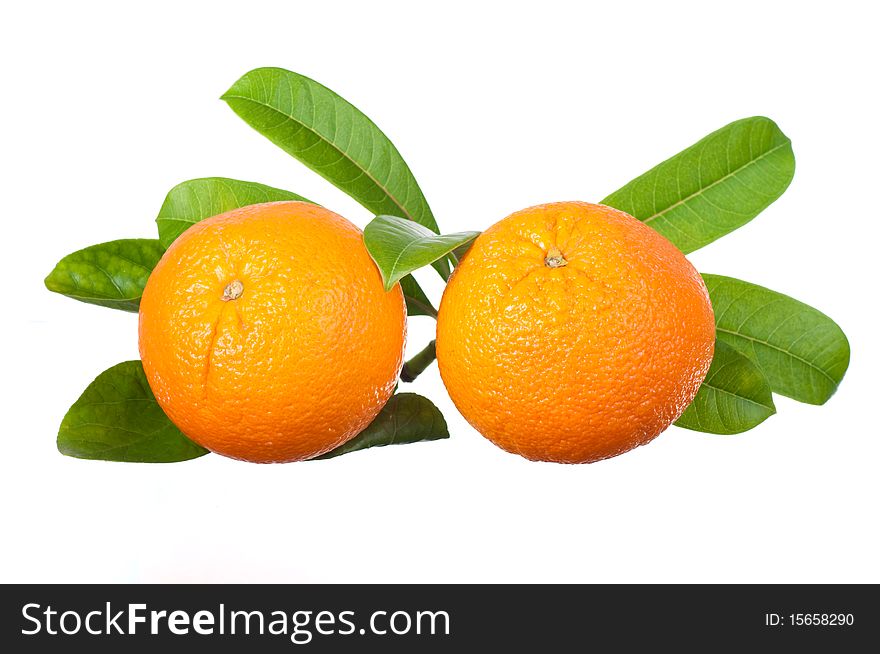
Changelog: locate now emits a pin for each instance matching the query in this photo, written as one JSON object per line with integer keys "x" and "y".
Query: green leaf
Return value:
{"x": 109, "y": 274}
{"x": 713, "y": 187}
{"x": 406, "y": 418}
{"x": 734, "y": 397}
{"x": 197, "y": 199}
{"x": 335, "y": 139}
{"x": 802, "y": 352}
{"x": 117, "y": 418}
{"x": 400, "y": 246}
{"x": 417, "y": 303}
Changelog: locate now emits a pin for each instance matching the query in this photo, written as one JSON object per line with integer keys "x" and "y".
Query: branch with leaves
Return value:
{"x": 766, "y": 342}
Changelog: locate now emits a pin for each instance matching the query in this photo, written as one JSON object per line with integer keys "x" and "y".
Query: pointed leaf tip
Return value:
{"x": 111, "y": 274}
{"x": 117, "y": 418}
{"x": 400, "y": 246}
{"x": 406, "y": 418}
{"x": 803, "y": 353}
{"x": 713, "y": 187}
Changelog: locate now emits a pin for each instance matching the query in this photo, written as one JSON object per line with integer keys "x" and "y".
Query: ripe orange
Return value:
{"x": 266, "y": 335}
{"x": 572, "y": 332}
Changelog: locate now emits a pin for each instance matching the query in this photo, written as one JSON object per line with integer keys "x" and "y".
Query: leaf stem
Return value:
{"x": 416, "y": 366}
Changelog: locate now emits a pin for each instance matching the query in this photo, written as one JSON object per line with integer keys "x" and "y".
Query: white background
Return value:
{"x": 496, "y": 108}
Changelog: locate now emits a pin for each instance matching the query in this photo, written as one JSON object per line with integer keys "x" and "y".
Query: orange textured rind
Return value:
{"x": 300, "y": 361}
{"x": 578, "y": 360}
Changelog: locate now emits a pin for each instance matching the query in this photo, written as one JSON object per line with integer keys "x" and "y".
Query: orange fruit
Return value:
{"x": 572, "y": 332}
{"x": 266, "y": 335}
